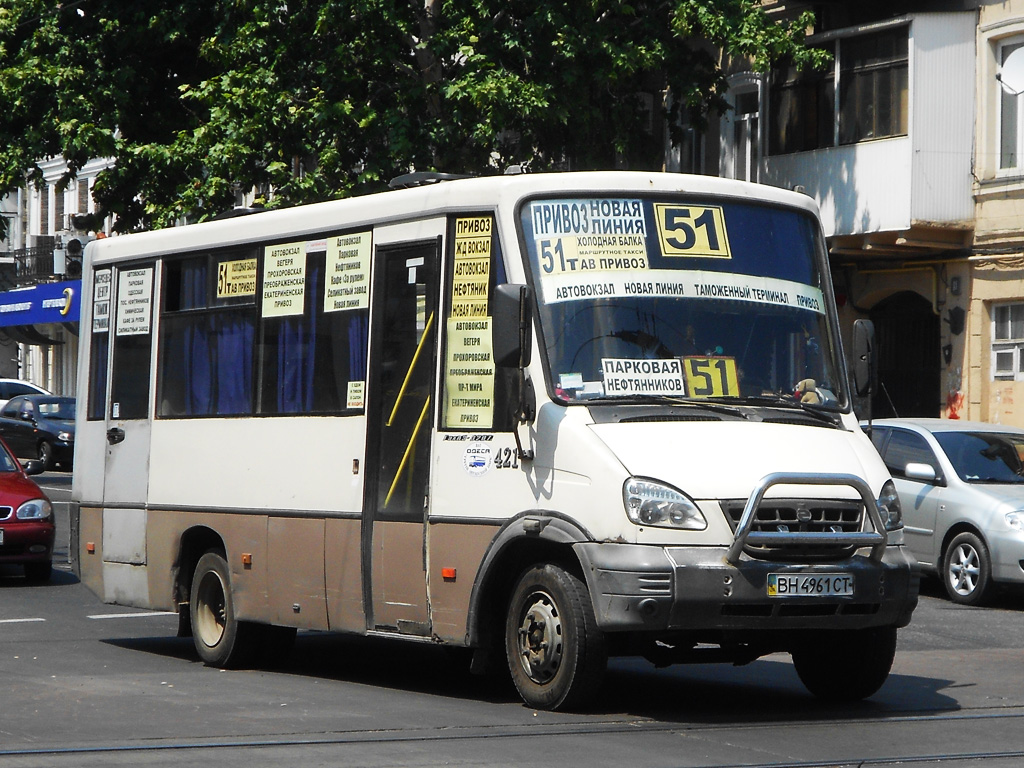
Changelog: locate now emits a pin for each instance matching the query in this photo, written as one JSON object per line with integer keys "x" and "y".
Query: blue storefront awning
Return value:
{"x": 41, "y": 304}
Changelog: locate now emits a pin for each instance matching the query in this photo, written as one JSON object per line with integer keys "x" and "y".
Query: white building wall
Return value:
{"x": 859, "y": 187}
{"x": 942, "y": 110}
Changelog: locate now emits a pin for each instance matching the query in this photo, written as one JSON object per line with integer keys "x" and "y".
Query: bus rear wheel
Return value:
{"x": 556, "y": 652}
{"x": 219, "y": 638}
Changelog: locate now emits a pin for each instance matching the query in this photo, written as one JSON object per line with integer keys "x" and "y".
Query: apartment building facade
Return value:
{"x": 912, "y": 143}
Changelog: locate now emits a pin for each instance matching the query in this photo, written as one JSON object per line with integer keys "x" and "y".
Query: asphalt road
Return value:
{"x": 87, "y": 684}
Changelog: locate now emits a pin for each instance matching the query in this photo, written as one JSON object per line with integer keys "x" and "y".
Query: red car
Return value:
{"x": 26, "y": 518}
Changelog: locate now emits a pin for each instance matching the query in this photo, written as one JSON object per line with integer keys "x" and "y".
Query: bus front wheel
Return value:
{"x": 556, "y": 652}
{"x": 220, "y": 639}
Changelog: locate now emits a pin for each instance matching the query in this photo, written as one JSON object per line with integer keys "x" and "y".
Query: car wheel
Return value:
{"x": 967, "y": 569}
{"x": 38, "y": 573}
{"x": 846, "y": 666}
{"x": 220, "y": 639}
{"x": 46, "y": 454}
{"x": 556, "y": 652}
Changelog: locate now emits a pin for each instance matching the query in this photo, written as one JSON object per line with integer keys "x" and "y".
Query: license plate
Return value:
{"x": 810, "y": 585}
{"x": 1, "y": 537}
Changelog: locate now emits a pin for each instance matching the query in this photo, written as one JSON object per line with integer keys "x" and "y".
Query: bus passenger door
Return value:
{"x": 126, "y": 474}
{"x": 112, "y": 467}
{"x": 400, "y": 407}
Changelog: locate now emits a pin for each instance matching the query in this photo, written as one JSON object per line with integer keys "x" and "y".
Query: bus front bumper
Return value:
{"x": 692, "y": 589}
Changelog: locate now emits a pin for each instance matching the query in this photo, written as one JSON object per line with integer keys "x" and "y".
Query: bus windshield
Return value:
{"x": 645, "y": 299}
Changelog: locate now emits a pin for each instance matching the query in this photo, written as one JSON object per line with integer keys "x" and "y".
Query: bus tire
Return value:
{"x": 556, "y": 653}
{"x": 846, "y": 666}
{"x": 219, "y": 638}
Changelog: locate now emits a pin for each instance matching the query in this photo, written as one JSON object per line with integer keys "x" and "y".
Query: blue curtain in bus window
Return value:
{"x": 296, "y": 359}
{"x": 193, "y": 284}
{"x": 195, "y": 337}
{"x": 234, "y": 365}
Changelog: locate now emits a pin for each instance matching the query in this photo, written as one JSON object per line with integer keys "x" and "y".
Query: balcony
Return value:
{"x": 34, "y": 265}
{"x": 908, "y": 193}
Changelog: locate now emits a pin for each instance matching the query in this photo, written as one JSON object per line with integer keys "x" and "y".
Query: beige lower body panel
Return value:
{"x": 399, "y": 584}
{"x": 306, "y": 572}
{"x": 459, "y": 547}
{"x": 276, "y": 564}
{"x": 344, "y": 575}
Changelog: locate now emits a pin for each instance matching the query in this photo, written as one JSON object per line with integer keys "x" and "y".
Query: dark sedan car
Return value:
{"x": 27, "y": 528}
{"x": 40, "y": 427}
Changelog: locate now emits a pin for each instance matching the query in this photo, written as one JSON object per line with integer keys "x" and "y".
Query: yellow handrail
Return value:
{"x": 412, "y": 364}
{"x": 408, "y": 450}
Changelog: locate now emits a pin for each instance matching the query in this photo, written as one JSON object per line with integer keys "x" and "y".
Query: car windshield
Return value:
{"x": 984, "y": 457}
{"x": 684, "y": 298}
{"x": 57, "y": 408}
{"x": 7, "y": 462}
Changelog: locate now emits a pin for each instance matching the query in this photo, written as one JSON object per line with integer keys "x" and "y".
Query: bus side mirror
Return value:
{"x": 864, "y": 370}
{"x": 512, "y": 326}
{"x": 512, "y": 348}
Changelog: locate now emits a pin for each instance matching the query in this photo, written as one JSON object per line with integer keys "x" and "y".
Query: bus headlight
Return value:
{"x": 652, "y": 503}
{"x": 889, "y": 507}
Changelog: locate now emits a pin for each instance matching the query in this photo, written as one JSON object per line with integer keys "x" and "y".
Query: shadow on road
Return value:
{"x": 13, "y": 576}
{"x": 765, "y": 691}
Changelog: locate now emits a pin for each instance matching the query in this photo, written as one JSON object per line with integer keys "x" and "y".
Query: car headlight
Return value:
{"x": 36, "y": 509}
{"x": 889, "y": 507}
{"x": 651, "y": 503}
{"x": 65, "y": 437}
{"x": 1016, "y": 519}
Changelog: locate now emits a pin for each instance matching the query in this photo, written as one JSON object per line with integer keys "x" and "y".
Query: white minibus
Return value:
{"x": 551, "y": 418}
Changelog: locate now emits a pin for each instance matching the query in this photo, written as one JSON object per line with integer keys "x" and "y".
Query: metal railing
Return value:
{"x": 33, "y": 265}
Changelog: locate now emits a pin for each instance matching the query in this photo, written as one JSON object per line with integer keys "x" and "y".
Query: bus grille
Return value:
{"x": 800, "y": 516}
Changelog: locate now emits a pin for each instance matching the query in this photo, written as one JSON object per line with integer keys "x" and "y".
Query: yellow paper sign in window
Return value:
{"x": 711, "y": 377}
{"x": 692, "y": 230}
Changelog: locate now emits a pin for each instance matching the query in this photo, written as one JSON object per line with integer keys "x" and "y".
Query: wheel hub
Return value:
{"x": 540, "y": 638}
{"x": 212, "y": 613}
{"x": 964, "y": 570}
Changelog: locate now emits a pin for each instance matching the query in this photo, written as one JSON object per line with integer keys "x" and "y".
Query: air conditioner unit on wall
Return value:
{"x": 68, "y": 260}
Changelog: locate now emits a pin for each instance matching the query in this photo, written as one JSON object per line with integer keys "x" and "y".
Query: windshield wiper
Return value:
{"x": 714, "y": 407}
{"x": 788, "y": 401}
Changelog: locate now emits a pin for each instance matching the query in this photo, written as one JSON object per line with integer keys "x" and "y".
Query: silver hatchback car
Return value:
{"x": 961, "y": 487}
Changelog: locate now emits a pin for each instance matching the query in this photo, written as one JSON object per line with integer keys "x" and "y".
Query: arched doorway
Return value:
{"x": 907, "y": 344}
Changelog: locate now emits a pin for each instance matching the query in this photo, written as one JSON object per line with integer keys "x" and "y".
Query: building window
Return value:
{"x": 801, "y": 110}
{"x": 1011, "y": 136}
{"x": 740, "y": 133}
{"x": 861, "y": 96}
{"x": 873, "y": 85}
{"x": 1007, "y": 341}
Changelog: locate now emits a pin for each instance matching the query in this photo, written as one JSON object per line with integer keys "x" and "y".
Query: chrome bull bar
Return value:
{"x": 875, "y": 539}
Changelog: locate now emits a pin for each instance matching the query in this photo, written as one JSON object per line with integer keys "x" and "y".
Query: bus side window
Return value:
{"x": 207, "y": 344}
{"x": 314, "y": 362}
{"x": 98, "y": 352}
{"x": 475, "y": 266}
{"x": 133, "y": 345}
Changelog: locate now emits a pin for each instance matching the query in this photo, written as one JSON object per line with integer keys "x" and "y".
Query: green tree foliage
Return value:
{"x": 312, "y": 99}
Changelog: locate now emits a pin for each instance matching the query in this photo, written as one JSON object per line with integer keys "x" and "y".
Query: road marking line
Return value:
{"x": 18, "y": 621}
{"x": 131, "y": 615}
